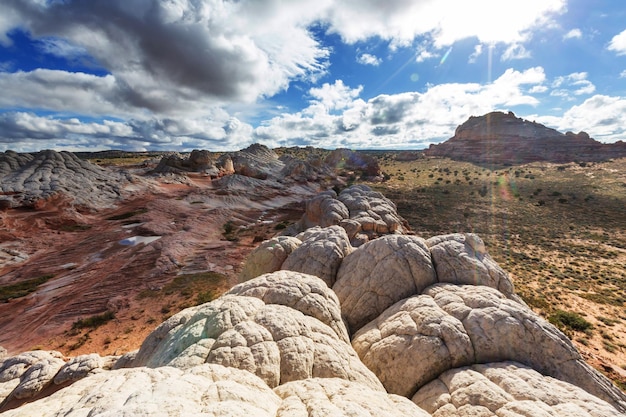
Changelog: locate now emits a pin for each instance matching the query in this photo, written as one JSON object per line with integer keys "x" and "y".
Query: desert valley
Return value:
{"x": 483, "y": 276}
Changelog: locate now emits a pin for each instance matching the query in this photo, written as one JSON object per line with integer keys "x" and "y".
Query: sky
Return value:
{"x": 177, "y": 75}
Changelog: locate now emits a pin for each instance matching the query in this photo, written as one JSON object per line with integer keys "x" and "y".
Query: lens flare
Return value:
{"x": 445, "y": 56}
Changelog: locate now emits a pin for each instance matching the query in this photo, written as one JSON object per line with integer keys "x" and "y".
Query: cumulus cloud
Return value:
{"x": 622, "y": 74}
{"x": 573, "y": 34}
{"x": 478, "y": 51}
{"x": 400, "y": 21}
{"x": 515, "y": 51}
{"x": 368, "y": 59}
{"x": 573, "y": 84}
{"x": 25, "y": 131}
{"x": 601, "y": 116}
{"x": 618, "y": 43}
{"x": 216, "y": 49}
{"x": 405, "y": 120}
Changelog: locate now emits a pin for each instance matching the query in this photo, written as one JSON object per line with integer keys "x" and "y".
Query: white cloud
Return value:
{"x": 515, "y": 51}
{"x": 622, "y": 74}
{"x": 573, "y": 34}
{"x": 478, "y": 50}
{"x": 406, "y": 120}
{"x": 22, "y": 131}
{"x": 601, "y": 116}
{"x": 618, "y": 43}
{"x": 575, "y": 83}
{"x": 335, "y": 96}
{"x": 400, "y": 21}
{"x": 368, "y": 59}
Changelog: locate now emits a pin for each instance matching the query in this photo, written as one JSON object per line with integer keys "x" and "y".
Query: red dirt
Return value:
{"x": 93, "y": 273}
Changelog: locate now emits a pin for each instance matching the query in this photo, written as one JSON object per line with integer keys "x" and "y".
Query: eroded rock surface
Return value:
{"x": 433, "y": 320}
{"x": 271, "y": 339}
{"x": 380, "y": 273}
{"x": 320, "y": 254}
{"x": 507, "y": 389}
{"x": 268, "y": 256}
{"x": 461, "y": 258}
{"x": 337, "y": 398}
{"x": 364, "y": 214}
{"x": 26, "y": 178}
{"x": 210, "y": 390}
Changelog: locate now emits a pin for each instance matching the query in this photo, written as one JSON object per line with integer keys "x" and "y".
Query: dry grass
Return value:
{"x": 559, "y": 230}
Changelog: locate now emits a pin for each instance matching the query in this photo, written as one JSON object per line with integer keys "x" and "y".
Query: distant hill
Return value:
{"x": 502, "y": 138}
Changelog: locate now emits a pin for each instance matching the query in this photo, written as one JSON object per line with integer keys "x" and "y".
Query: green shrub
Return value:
{"x": 93, "y": 321}
{"x": 567, "y": 320}
{"x": 22, "y": 289}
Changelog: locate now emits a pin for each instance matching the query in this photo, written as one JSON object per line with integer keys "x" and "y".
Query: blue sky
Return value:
{"x": 361, "y": 74}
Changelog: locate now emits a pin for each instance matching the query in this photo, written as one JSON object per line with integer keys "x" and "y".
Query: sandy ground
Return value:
{"x": 92, "y": 272}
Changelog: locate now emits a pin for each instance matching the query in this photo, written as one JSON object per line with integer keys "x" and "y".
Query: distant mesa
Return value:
{"x": 503, "y": 138}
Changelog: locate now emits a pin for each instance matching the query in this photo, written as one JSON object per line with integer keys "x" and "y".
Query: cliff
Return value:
{"x": 503, "y": 138}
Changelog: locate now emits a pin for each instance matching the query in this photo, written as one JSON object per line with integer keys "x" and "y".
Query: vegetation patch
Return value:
{"x": 567, "y": 320}
{"x": 22, "y": 289}
{"x": 93, "y": 322}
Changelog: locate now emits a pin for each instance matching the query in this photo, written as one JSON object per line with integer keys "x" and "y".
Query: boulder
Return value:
{"x": 268, "y": 256}
{"x": 380, "y": 273}
{"x": 275, "y": 342}
{"x": 79, "y": 367}
{"x": 210, "y": 390}
{"x": 411, "y": 343}
{"x": 461, "y": 258}
{"x": 376, "y": 213}
{"x": 333, "y": 397}
{"x": 449, "y": 326}
{"x": 323, "y": 210}
{"x": 25, "y": 375}
{"x": 507, "y": 389}
{"x": 302, "y": 292}
{"x": 320, "y": 254}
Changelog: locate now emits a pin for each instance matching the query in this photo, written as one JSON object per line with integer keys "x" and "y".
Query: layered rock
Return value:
{"x": 364, "y": 214}
{"x": 27, "y": 178}
{"x": 197, "y": 161}
{"x": 506, "y": 389}
{"x": 273, "y": 337}
{"x": 434, "y": 320}
{"x": 501, "y": 138}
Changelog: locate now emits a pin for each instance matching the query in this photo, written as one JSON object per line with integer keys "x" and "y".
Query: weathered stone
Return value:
{"x": 25, "y": 375}
{"x": 268, "y": 256}
{"x": 208, "y": 389}
{"x": 507, "y": 389}
{"x": 461, "y": 258}
{"x": 380, "y": 273}
{"x": 332, "y": 397}
{"x": 276, "y": 342}
{"x": 79, "y": 367}
{"x": 320, "y": 254}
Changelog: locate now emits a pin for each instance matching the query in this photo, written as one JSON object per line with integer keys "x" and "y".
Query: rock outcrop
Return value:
{"x": 197, "y": 161}
{"x": 364, "y": 214}
{"x": 346, "y": 159}
{"x": 503, "y": 138}
{"x": 28, "y": 178}
{"x": 404, "y": 331}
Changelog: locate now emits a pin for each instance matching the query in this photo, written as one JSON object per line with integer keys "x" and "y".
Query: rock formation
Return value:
{"x": 28, "y": 178}
{"x": 363, "y": 213}
{"x": 197, "y": 161}
{"x": 345, "y": 159}
{"x": 503, "y": 138}
{"x": 405, "y": 330}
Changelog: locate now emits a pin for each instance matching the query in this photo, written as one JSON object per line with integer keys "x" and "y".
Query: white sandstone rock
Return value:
{"x": 380, "y": 273}
{"x": 268, "y": 256}
{"x": 507, "y": 389}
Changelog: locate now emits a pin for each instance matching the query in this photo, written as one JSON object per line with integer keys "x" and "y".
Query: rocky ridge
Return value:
{"x": 28, "y": 179}
{"x": 399, "y": 325}
{"x": 503, "y": 138}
